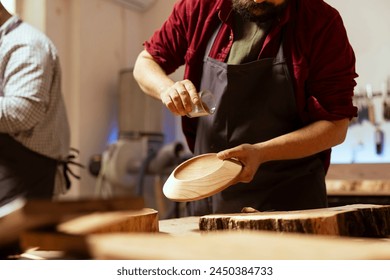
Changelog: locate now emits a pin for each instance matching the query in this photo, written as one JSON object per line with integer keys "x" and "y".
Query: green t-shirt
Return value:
{"x": 248, "y": 41}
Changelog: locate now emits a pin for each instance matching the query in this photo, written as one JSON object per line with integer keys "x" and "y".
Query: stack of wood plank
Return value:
{"x": 32, "y": 222}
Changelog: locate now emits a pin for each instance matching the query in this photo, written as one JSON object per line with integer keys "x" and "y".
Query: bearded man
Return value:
{"x": 283, "y": 74}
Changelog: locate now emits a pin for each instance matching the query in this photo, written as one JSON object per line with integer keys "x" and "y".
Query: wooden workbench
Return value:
{"x": 181, "y": 239}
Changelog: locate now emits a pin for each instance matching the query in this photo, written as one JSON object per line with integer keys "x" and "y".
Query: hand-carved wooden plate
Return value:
{"x": 200, "y": 177}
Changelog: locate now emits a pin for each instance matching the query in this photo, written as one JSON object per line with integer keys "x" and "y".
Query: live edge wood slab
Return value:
{"x": 358, "y": 220}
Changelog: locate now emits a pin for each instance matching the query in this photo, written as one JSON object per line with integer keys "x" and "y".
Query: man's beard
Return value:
{"x": 258, "y": 12}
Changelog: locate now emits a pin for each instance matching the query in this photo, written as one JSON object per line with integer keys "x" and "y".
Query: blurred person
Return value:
{"x": 34, "y": 129}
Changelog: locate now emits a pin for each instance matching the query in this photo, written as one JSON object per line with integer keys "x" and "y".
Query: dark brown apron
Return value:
{"x": 24, "y": 173}
{"x": 255, "y": 103}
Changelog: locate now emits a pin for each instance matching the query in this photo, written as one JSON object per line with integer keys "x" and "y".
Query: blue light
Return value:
{"x": 114, "y": 132}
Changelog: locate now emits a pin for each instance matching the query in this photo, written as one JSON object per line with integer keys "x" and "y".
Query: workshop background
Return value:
{"x": 98, "y": 42}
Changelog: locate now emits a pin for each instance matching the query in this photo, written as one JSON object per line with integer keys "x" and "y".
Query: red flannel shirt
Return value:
{"x": 319, "y": 55}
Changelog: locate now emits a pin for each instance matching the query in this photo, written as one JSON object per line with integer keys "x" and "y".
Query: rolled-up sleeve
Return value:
{"x": 331, "y": 81}
{"x": 169, "y": 44}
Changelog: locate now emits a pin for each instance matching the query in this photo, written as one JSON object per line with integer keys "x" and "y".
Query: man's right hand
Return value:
{"x": 179, "y": 97}
{"x": 176, "y": 96}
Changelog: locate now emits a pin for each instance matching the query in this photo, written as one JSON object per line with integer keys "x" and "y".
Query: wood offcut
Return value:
{"x": 70, "y": 236}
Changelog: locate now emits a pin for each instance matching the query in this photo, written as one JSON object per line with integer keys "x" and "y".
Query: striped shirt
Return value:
{"x": 32, "y": 108}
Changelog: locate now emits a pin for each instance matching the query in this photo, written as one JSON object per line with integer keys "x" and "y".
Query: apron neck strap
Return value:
{"x": 211, "y": 41}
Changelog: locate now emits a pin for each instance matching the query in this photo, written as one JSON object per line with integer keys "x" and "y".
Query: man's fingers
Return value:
{"x": 192, "y": 92}
{"x": 179, "y": 98}
{"x": 226, "y": 154}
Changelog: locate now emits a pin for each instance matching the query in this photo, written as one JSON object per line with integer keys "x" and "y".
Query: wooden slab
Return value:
{"x": 70, "y": 235}
{"x": 358, "y": 187}
{"x": 20, "y": 215}
{"x": 180, "y": 226}
{"x": 235, "y": 245}
{"x": 358, "y": 220}
{"x": 145, "y": 220}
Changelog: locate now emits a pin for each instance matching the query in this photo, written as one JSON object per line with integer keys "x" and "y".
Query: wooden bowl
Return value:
{"x": 200, "y": 177}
